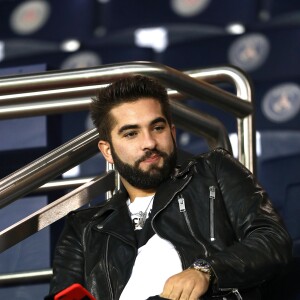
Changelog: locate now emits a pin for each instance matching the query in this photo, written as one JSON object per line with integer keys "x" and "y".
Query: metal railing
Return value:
{"x": 30, "y": 95}
{"x": 61, "y": 91}
{"x": 56, "y": 210}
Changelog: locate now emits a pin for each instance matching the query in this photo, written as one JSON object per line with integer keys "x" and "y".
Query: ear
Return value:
{"x": 173, "y": 131}
{"x": 105, "y": 149}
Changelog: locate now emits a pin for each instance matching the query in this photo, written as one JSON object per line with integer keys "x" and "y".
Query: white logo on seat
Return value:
{"x": 282, "y": 103}
{"x": 249, "y": 51}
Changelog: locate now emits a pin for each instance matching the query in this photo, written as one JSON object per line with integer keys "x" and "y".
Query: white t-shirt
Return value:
{"x": 156, "y": 261}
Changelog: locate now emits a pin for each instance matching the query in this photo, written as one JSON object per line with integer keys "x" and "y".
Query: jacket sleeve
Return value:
{"x": 263, "y": 246}
{"x": 68, "y": 258}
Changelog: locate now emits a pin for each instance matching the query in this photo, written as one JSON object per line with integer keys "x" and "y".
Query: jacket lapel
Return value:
{"x": 114, "y": 219}
{"x": 169, "y": 189}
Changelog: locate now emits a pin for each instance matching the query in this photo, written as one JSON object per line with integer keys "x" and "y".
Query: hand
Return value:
{"x": 189, "y": 284}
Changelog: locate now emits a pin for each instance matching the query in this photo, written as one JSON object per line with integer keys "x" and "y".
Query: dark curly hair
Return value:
{"x": 128, "y": 89}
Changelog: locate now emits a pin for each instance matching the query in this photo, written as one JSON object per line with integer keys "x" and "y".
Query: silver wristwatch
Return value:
{"x": 202, "y": 266}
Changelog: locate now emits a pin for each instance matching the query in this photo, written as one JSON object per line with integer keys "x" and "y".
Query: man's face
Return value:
{"x": 142, "y": 143}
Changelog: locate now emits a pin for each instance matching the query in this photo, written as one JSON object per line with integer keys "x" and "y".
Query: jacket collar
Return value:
{"x": 113, "y": 218}
{"x": 184, "y": 169}
{"x": 170, "y": 188}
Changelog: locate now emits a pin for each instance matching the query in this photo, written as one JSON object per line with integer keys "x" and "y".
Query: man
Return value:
{"x": 206, "y": 229}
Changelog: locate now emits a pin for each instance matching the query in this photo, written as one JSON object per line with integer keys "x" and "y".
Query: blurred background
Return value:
{"x": 261, "y": 37}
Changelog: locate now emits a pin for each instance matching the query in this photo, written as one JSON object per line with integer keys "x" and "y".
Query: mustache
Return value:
{"x": 149, "y": 153}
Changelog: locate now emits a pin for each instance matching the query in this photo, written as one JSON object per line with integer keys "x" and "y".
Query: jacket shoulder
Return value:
{"x": 212, "y": 156}
{"x": 82, "y": 216}
{"x": 86, "y": 215}
{"x": 217, "y": 161}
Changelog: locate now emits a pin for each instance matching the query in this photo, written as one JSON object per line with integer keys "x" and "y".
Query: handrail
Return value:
{"x": 67, "y": 183}
{"x": 47, "y": 167}
{"x": 206, "y": 126}
{"x": 56, "y": 210}
{"x": 25, "y": 277}
{"x": 33, "y": 89}
{"x": 85, "y": 77}
{"x": 70, "y": 154}
{"x": 245, "y": 126}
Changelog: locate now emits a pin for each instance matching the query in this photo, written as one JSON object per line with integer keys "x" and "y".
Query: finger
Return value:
{"x": 176, "y": 293}
{"x": 195, "y": 294}
{"x": 167, "y": 291}
{"x": 186, "y": 291}
{"x": 189, "y": 290}
{"x": 179, "y": 290}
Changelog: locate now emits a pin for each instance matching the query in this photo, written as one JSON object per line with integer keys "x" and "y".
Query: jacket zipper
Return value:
{"x": 212, "y": 197}
{"x": 186, "y": 183}
{"x": 107, "y": 271}
{"x": 182, "y": 209}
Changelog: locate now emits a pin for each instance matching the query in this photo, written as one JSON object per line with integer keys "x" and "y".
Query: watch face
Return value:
{"x": 202, "y": 265}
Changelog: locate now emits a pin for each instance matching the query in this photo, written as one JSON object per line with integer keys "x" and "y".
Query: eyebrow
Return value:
{"x": 135, "y": 126}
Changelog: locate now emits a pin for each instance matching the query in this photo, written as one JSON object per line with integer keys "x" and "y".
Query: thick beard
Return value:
{"x": 151, "y": 178}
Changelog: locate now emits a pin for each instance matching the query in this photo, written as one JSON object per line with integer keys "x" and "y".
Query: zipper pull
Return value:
{"x": 237, "y": 294}
{"x": 181, "y": 204}
{"x": 212, "y": 192}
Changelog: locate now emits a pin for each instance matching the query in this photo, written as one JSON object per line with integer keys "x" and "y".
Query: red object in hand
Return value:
{"x": 74, "y": 292}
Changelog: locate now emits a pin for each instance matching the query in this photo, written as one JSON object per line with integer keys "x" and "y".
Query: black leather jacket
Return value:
{"x": 227, "y": 219}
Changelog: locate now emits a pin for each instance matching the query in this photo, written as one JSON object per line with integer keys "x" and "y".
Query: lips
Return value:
{"x": 152, "y": 158}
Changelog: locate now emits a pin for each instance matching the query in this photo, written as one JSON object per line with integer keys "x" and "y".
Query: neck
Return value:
{"x": 134, "y": 192}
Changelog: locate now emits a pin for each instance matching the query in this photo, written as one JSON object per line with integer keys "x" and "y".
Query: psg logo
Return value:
{"x": 29, "y": 16}
{"x": 249, "y": 52}
{"x": 282, "y": 103}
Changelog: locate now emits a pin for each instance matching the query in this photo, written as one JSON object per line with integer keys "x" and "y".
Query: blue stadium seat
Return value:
{"x": 280, "y": 177}
{"x": 118, "y": 15}
{"x": 84, "y": 58}
{"x": 277, "y": 172}
{"x": 265, "y": 55}
{"x": 283, "y": 8}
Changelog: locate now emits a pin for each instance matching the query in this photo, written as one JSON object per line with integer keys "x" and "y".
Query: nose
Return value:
{"x": 149, "y": 141}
